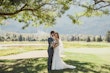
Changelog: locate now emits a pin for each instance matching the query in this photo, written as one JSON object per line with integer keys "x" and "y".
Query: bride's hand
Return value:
{"x": 56, "y": 44}
{"x": 53, "y": 44}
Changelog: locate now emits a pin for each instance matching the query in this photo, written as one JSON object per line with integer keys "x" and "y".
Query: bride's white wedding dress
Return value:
{"x": 57, "y": 62}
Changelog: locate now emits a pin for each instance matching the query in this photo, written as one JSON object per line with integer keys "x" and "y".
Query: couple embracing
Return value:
{"x": 54, "y": 53}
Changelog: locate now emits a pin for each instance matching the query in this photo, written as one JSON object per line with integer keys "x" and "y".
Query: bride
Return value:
{"x": 57, "y": 62}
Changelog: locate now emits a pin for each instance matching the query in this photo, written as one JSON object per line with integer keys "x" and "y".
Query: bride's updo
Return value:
{"x": 57, "y": 34}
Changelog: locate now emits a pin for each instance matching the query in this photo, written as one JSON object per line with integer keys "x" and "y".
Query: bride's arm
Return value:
{"x": 56, "y": 44}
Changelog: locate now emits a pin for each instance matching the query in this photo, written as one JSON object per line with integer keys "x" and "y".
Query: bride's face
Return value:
{"x": 56, "y": 36}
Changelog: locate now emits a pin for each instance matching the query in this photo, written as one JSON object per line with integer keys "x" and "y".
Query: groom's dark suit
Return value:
{"x": 50, "y": 53}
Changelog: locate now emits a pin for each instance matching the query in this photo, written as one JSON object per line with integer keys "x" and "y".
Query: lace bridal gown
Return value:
{"x": 57, "y": 62}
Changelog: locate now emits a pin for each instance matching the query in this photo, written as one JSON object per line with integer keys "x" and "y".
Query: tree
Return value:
{"x": 99, "y": 39}
{"x": 88, "y": 39}
{"x": 20, "y": 38}
{"x": 94, "y": 39}
{"x": 93, "y": 8}
{"x": 108, "y": 36}
{"x": 14, "y": 37}
{"x": 2, "y": 38}
{"x": 72, "y": 38}
{"x": 78, "y": 39}
{"x": 36, "y": 12}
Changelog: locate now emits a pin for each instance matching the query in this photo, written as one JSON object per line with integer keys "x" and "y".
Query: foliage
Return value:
{"x": 37, "y": 12}
{"x": 99, "y": 39}
{"x": 11, "y": 36}
{"x": 34, "y": 12}
{"x": 88, "y": 39}
{"x": 108, "y": 36}
{"x": 94, "y": 39}
{"x": 90, "y": 8}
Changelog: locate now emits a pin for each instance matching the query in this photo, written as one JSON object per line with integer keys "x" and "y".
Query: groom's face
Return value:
{"x": 52, "y": 34}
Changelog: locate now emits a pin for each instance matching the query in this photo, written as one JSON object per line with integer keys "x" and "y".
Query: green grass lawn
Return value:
{"x": 24, "y": 42}
{"x": 21, "y": 49}
{"x": 86, "y": 44}
{"x": 85, "y": 63}
{"x": 67, "y": 44}
{"x": 17, "y": 50}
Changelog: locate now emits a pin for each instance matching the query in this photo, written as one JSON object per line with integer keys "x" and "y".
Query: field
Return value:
{"x": 19, "y": 49}
{"x": 89, "y": 57}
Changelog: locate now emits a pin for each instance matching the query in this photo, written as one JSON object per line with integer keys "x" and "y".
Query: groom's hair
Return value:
{"x": 52, "y": 32}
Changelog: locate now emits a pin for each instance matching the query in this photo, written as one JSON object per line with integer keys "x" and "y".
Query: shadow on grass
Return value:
{"x": 84, "y": 67}
{"x": 40, "y": 66}
{"x": 22, "y": 66}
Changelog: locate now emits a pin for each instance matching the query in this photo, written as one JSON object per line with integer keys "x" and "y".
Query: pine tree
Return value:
{"x": 94, "y": 39}
{"x": 20, "y": 38}
{"x": 99, "y": 39}
{"x": 108, "y": 36}
{"x": 88, "y": 39}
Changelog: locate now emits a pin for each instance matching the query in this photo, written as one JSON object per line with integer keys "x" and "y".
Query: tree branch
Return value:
{"x": 98, "y": 1}
{"x": 23, "y": 9}
{"x": 17, "y": 11}
{"x": 102, "y": 7}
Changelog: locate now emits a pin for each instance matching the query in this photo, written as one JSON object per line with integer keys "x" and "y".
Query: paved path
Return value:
{"x": 43, "y": 53}
{"x": 32, "y": 54}
{"x": 10, "y": 45}
{"x": 89, "y": 50}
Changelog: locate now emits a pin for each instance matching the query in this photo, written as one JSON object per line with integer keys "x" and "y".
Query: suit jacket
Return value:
{"x": 50, "y": 48}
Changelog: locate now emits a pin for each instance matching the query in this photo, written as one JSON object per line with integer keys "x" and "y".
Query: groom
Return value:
{"x": 50, "y": 50}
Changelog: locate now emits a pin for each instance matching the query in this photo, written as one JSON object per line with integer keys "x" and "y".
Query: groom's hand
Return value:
{"x": 55, "y": 45}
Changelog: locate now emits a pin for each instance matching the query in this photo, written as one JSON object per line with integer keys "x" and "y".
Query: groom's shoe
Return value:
{"x": 49, "y": 71}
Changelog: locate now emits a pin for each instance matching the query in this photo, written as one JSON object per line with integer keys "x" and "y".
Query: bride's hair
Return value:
{"x": 57, "y": 34}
